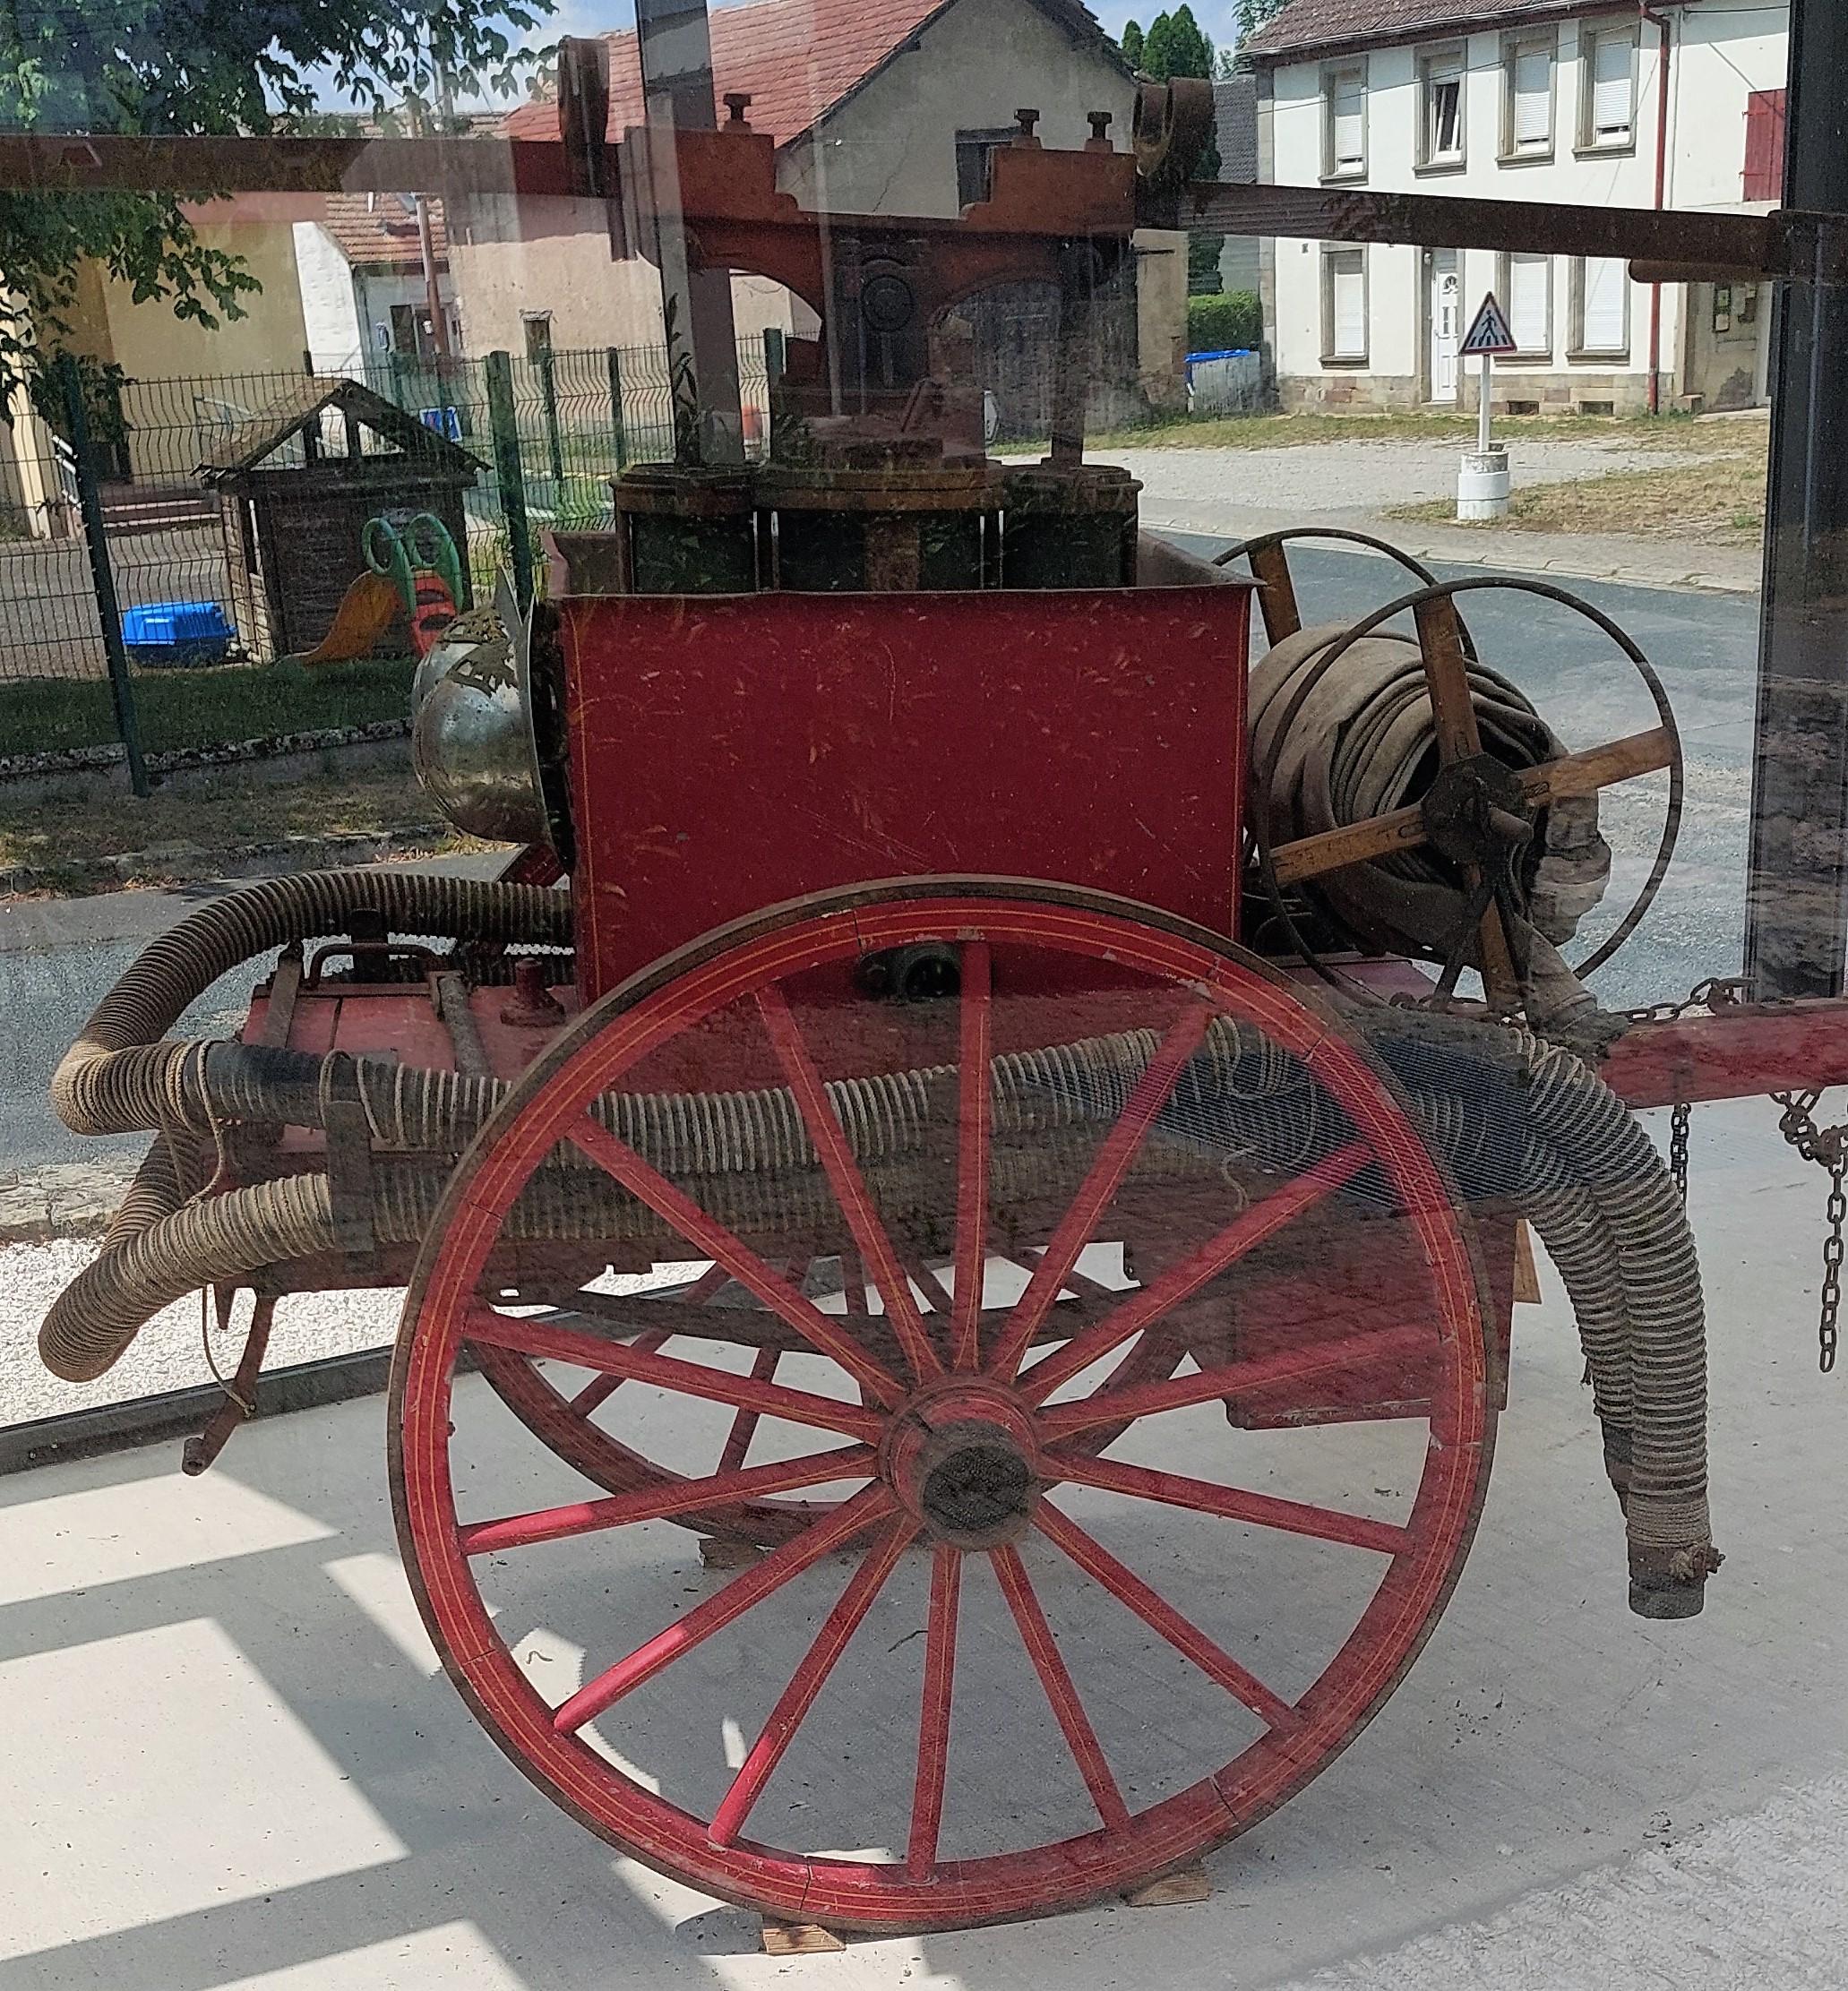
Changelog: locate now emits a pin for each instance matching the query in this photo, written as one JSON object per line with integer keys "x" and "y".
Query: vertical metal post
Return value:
{"x": 548, "y": 389}
{"x": 775, "y": 354}
{"x": 1796, "y": 939}
{"x": 1072, "y": 379}
{"x": 102, "y": 576}
{"x": 618, "y": 428}
{"x": 508, "y": 476}
{"x": 675, "y": 44}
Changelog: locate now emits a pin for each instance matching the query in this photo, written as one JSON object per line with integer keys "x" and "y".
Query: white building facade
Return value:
{"x": 1677, "y": 105}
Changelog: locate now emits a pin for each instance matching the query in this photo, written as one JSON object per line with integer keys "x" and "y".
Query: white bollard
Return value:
{"x": 1483, "y": 486}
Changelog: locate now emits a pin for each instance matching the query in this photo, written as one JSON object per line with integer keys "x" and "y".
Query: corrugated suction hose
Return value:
{"x": 117, "y": 1078}
{"x": 1522, "y": 1123}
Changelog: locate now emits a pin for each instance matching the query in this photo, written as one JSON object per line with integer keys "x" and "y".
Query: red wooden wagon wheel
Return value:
{"x": 1029, "y": 1723}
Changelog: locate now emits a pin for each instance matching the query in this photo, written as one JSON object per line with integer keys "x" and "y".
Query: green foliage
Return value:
{"x": 1203, "y": 252}
{"x": 1254, "y": 13}
{"x": 1225, "y": 321}
{"x": 1130, "y": 42}
{"x": 1176, "y": 45}
{"x": 191, "y": 67}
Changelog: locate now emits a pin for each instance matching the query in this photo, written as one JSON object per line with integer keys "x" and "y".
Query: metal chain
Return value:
{"x": 1716, "y": 993}
{"x": 1827, "y": 1147}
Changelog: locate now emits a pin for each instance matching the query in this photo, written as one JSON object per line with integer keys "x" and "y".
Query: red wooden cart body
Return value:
{"x": 730, "y": 754}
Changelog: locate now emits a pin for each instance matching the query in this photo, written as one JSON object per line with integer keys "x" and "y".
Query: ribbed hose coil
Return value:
{"x": 290, "y": 1218}
{"x": 98, "y": 1090}
{"x": 1520, "y": 1121}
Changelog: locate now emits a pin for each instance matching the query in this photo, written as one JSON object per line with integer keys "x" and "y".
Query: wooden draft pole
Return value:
{"x": 1797, "y": 906}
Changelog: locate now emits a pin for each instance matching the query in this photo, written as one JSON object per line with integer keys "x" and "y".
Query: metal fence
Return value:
{"x": 549, "y": 432}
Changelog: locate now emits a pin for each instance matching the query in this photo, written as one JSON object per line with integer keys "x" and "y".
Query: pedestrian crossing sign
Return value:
{"x": 1491, "y": 335}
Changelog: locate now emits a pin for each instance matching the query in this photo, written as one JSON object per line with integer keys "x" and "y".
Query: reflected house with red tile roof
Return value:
{"x": 885, "y": 107}
{"x": 360, "y": 265}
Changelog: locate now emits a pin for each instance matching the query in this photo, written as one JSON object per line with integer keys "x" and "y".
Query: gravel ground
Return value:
{"x": 1342, "y": 476}
{"x": 169, "y": 1353}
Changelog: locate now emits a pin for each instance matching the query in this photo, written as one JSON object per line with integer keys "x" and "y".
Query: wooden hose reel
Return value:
{"x": 1478, "y": 813}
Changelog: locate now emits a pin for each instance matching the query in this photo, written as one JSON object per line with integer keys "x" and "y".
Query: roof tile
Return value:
{"x": 380, "y": 231}
{"x": 798, "y": 59}
{"x": 1305, "y": 25}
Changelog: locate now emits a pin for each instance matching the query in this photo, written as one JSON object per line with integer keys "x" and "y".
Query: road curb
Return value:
{"x": 179, "y": 1413}
{"x": 190, "y": 864}
{"x": 1491, "y": 554}
{"x": 78, "y": 761}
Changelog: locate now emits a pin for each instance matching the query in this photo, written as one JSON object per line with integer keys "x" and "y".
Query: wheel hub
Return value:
{"x": 963, "y": 1458}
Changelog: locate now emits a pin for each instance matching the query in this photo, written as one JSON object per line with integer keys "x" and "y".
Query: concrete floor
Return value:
{"x": 230, "y": 1760}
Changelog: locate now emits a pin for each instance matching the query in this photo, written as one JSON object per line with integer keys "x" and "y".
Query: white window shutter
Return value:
{"x": 1347, "y": 278}
{"x": 1611, "y": 101}
{"x": 1533, "y": 100}
{"x": 1350, "y": 122}
{"x": 1606, "y": 288}
{"x": 1527, "y": 302}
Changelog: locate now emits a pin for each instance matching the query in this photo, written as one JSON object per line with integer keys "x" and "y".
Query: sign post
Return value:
{"x": 1483, "y": 483}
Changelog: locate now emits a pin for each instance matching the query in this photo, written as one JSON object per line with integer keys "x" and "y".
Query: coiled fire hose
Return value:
{"x": 1521, "y": 1121}
{"x": 1363, "y": 743}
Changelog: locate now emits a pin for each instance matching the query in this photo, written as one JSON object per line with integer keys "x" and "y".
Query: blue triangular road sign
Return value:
{"x": 1491, "y": 333}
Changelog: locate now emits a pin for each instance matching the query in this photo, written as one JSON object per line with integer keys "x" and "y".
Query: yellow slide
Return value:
{"x": 363, "y": 615}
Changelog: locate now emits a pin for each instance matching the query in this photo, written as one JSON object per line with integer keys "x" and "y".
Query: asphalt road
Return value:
{"x": 57, "y": 959}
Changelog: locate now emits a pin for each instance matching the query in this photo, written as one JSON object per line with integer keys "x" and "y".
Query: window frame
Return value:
{"x": 1589, "y": 143}
{"x": 1333, "y": 171}
{"x": 1504, "y": 291}
{"x": 985, "y": 140}
{"x": 1576, "y": 349}
{"x": 1429, "y": 159}
{"x": 535, "y": 334}
{"x": 1333, "y": 253}
{"x": 1514, "y": 47}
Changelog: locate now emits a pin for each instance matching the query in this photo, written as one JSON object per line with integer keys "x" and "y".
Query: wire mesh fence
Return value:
{"x": 187, "y": 573}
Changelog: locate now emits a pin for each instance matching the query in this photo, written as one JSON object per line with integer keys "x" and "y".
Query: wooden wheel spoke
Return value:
{"x": 1160, "y": 1616}
{"x": 1120, "y": 1148}
{"x": 717, "y": 1243}
{"x": 1182, "y": 1281}
{"x": 583, "y": 1517}
{"x": 1295, "y": 1365}
{"x": 737, "y": 1441}
{"x": 1068, "y": 1709}
{"x": 715, "y": 1386}
{"x": 1262, "y": 1510}
{"x": 848, "y": 1185}
{"x": 781, "y": 1566}
{"x": 1159, "y": 1351}
{"x": 599, "y": 1389}
{"x": 974, "y": 1132}
{"x": 807, "y": 1681}
{"x": 933, "y": 1714}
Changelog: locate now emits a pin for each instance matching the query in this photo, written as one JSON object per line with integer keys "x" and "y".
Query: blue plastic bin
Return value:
{"x": 177, "y": 635}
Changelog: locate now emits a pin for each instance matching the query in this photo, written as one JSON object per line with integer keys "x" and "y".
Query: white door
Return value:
{"x": 1446, "y": 325}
